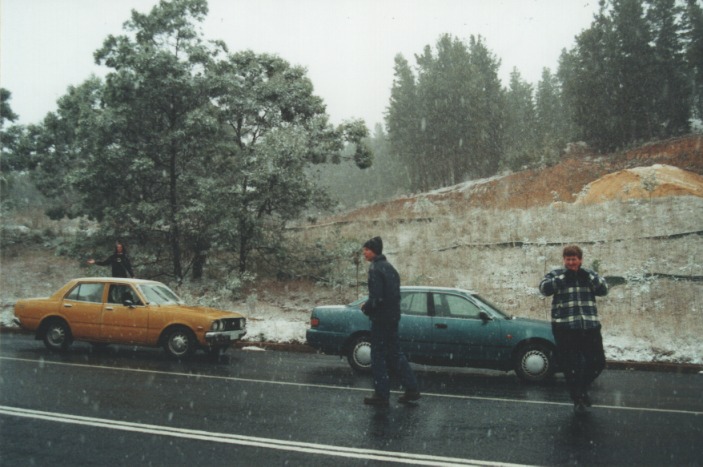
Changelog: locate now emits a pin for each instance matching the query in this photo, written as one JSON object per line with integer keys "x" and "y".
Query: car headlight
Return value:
{"x": 216, "y": 325}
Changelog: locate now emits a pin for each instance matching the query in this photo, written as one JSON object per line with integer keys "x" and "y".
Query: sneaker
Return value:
{"x": 376, "y": 400}
{"x": 409, "y": 396}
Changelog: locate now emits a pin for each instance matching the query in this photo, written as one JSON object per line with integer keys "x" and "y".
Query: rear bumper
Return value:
{"x": 325, "y": 342}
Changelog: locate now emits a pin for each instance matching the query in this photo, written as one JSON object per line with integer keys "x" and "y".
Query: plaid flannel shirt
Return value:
{"x": 574, "y": 297}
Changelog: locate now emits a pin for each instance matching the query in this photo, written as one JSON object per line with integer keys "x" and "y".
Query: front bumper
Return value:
{"x": 224, "y": 337}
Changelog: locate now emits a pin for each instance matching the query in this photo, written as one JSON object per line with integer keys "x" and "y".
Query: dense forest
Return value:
{"x": 200, "y": 155}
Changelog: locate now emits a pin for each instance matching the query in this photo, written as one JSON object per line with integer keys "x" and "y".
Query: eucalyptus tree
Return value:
{"x": 272, "y": 128}
{"x": 187, "y": 148}
{"x": 144, "y": 149}
{"x": 8, "y": 139}
{"x": 348, "y": 186}
{"x": 6, "y": 113}
{"x": 8, "y": 136}
{"x": 60, "y": 144}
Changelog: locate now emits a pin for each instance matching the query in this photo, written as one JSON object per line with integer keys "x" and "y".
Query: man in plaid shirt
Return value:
{"x": 575, "y": 323}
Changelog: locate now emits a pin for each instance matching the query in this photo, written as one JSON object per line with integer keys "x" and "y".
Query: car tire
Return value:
{"x": 359, "y": 354}
{"x": 534, "y": 362}
{"x": 57, "y": 335}
{"x": 180, "y": 343}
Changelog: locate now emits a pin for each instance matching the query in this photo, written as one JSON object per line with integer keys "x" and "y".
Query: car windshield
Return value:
{"x": 489, "y": 307}
{"x": 159, "y": 294}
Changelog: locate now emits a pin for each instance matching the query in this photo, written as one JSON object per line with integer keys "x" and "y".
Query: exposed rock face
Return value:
{"x": 560, "y": 184}
{"x": 642, "y": 182}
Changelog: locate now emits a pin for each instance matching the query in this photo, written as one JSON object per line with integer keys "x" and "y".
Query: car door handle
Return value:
{"x": 67, "y": 305}
{"x": 108, "y": 308}
{"x": 440, "y": 326}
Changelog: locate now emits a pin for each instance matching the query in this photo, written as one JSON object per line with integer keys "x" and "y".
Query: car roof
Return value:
{"x": 125, "y": 280}
{"x": 426, "y": 288}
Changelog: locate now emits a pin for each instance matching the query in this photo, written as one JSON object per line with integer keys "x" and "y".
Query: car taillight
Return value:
{"x": 314, "y": 322}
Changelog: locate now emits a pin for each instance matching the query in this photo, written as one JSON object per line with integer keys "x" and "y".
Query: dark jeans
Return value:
{"x": 385, "y": 356}
{"x": 581, "y": 357}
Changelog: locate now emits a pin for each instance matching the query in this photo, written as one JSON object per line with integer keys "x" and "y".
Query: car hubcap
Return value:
{"x": 534, "y": 363}
{"x": 57, "y": 335}
{"x": 362, "y": 354}
{"x": 179, "y": 343}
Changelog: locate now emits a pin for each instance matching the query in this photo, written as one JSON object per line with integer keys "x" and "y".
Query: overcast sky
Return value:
{"x": 348, "y": 46}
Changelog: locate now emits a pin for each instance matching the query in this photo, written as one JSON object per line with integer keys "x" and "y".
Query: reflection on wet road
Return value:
{"x": 134, "y": 405}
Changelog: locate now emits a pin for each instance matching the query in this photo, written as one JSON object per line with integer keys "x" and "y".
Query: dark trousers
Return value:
{"x": 581, "y": 357}
{"x": 386, "y": 356}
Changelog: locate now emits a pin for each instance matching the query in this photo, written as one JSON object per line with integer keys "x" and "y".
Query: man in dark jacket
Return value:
{"x": 575, "y": 324}
{"x": 383, "y": 309}
{"x": 119, "y": 261}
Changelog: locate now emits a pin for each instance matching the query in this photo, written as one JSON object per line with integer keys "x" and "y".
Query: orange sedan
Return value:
{"x": 112, "y": 310}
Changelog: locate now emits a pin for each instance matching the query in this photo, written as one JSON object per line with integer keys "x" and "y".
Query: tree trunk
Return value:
{"x": 175, "y": 231}
{"x": 198, "y": 265}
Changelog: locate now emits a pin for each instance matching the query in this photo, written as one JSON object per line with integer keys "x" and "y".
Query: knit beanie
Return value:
{"x": 375, "y": 245}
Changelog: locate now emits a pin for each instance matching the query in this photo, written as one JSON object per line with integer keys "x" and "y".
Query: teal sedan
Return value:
{"x": 442, "y": 326}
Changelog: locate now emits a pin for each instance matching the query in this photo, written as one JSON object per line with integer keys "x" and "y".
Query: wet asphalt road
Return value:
{"x": 125, "y": 406}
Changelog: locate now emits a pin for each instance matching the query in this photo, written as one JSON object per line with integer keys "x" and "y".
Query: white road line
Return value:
{"x": 327, "y": 386}
{"x": 267, "y": 443}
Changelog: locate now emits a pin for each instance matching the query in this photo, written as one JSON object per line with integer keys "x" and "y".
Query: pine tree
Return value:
{"x": 672, "y": 95}
{"x": 633, "y": 64}
{"x": 693, "y": 33}
{"x": 405, "y": 124}
{"x": 554, "y": 128}
{"x": 520, "y": 124}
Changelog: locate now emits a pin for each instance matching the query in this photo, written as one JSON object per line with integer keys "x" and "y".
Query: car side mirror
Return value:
{"x": 128, "y": 303}
{"x": 485, "y": 316}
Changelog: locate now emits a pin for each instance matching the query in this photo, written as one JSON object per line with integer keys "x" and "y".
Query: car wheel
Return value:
{"x": 359, "y": 354}
{"x": 534, "y": 363}
{"x": 180, "y": 343}
{"x": 57, "y": 335}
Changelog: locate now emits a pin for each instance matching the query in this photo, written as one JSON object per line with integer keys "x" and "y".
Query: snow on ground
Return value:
{"x": 632, "y": 349}
{"x": 270, "y": 323}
